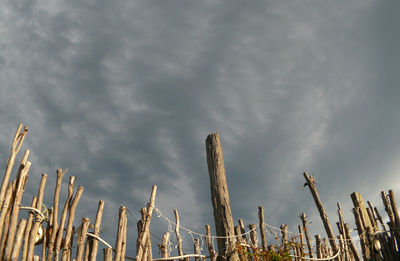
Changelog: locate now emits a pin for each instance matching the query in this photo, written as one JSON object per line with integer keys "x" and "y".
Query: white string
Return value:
{"x": 317, "y": 259}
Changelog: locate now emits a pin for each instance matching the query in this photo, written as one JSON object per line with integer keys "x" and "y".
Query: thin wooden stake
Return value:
{"x": 96, "y": 231}
{"x": 305, "y": 229}
{"x": 352, "y": 246}
{"x": 81, "y": 238}
{"x": 60, "y": 230}
{"x": 327, "y": 225}
{"x": 18, "y": 239}
{"x": 38, "y": 220}
{"x": 213, "y": 253}
{"x": 54, "y": 227}
{"x": 163, "y": 247}
{"x": 121, "y": 236}
{"x": 68, "y": 235}
{"x": 262, "y": 228}
{"x": 196, "y": 247}
{"x": 15, "y": 147}
{"x": 178, "y": 236}
{"x": 107, "y": 254}
{"x": 27, "y": 231}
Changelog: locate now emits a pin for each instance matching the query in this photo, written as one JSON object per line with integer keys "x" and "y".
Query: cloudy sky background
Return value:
{"x": 124, "y": 93}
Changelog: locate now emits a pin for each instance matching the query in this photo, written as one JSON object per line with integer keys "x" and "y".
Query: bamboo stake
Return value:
{"x": 15, "y": 147}
{"x": 327, "y": 225}
{"x": 305, "y": 229}
{"x": 81, "y": 238}
{"x": 27, "y": 231}
{"x": 142, "y": 237}
{"x": 38, "y": 220}
{"x": 18, "y": 239}
{"x": 178, "y": 236}
{"x": 64, "y": 217}
{"x": 262, "y": 228}
{"x": 107, "y": 254}
{"x": 71, "y": 215}
{"x": 96, "y": 230}
{"x": 54, "y": 227}
{"x": 121, "y": 237}
{"x": 22, "y": 180}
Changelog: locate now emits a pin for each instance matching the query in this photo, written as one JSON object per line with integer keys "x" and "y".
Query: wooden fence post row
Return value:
{"x": 52, "y": 232}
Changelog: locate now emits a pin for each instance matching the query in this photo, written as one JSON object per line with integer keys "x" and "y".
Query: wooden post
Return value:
{"x": 96, "y": 230}
{"x": 81, "y": 238}
{"x": 22, "y": 180}
{"x": 18, "y": 239}
{"x": 213, "y": 253}
{"x": 27, "y": 231}
{"x": 144, "y": 235}
{"x": 305, "y": 229}
{"x": 121, "y": 236}
{"x": 3, "y": 214}
{"x": 318, "y": 245}
{"x": 327, "y": 225}
{"x": 284, "y": 235}
{"x": 253, "y": 236}
{"x": 301, "y": 252}
{"x": 54, "y": 227}
{"x": 71, "y": 215}
{"x": 178, "y": 236}
{"x": 163, "y": 247}
{"x": 107, "y": 254}
{"x": 361, "y": 233}
{"x": 352, "y": 246}
{"x": 60, "y": 230}
{"x": 15, "y": 147}
{"x": 262, "y": 228}
{"x": 196, "y": 248}
{"x": 38, "y": 220}
{"x": 220, "y": 198}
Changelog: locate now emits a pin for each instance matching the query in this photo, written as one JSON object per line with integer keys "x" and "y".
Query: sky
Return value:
{"x": 124, "y": 94}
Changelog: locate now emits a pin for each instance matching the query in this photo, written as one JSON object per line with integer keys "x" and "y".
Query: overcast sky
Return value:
{"x": 124, "y": 93}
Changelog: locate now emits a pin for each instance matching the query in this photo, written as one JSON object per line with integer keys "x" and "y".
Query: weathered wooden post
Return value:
{"x": 220, "y": 198}
{"x": 327, "y": 225}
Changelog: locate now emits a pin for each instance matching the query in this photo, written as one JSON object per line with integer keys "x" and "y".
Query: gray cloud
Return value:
{"x": 124, "y": 95}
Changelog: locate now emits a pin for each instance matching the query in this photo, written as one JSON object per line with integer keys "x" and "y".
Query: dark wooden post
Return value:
{"x": 220, "y": 198}
{"x": 327, "y": 225}
{"x": 305, "y": 229}
{"x": 262, "y": 228}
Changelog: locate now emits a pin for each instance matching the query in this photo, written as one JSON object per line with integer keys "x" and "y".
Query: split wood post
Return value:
{"x": 96, "y": 231}
{"x": 351, "y": 244}
{"x": 147, "y": 255}
{"x": 81, "y": 238}
{"x": 305, "y": 229}
{"x": 327, "y": 225}
{"x": 15, "y": 147}
{"x": 27, "y": 231}
{"x": 262, "y": 228}
{"x": 318, "y": 246}
{"x": 145, "y": 234}
{"x": 107, "y": 254}
{"x": 18, "y": 239}
{"x": 220, "y": 198}
{"x": 213, "y": 253}
{"x": 178, "y": 236}
{"x": 38, "y": 218}
{"x": 66, "y": 252}
{"x": 54, "y": 227}
{"x": 121, "y": 236}
{"x": 253, "y": 236}
{"x": 60, "y": 229}
{"x": 196, "y": 248}
{"x": 361, "y": 232}
{"x": 22, "y": 179}
{"x": 163, "y": 247}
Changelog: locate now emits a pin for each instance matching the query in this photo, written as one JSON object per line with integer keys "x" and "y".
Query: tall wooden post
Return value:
{"x": 327, "y": 225}
{"x": 220, "y": 198}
